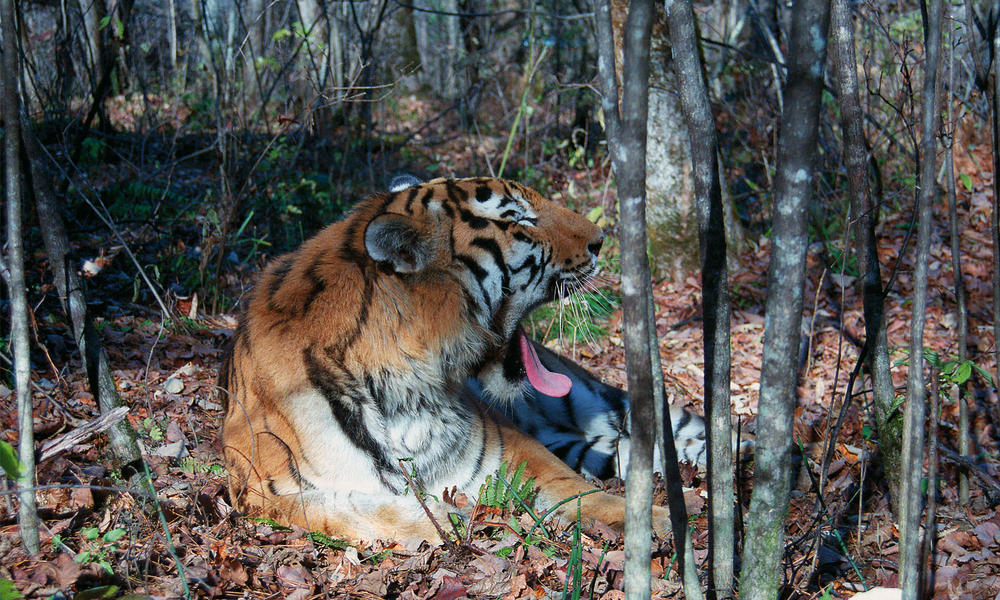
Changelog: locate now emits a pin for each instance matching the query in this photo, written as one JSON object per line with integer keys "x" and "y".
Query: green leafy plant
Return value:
{"x": 154, "y": 430}
{"x": 190, "y": 464}
{"x": 574, "y": 564}
{"x": 91, "y": 150}
{"x": 498, "y": 492}
{"x": 321, "y": 539}
{"x": 951, "y": 371}
{"x": 11, "y": 464}
{"x": 99, "y": 547}
{"x": 8, "y": 591}
{"x": 271, "y": 522}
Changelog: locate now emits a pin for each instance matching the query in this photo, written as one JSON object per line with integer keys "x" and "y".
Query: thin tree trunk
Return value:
{"x": 916, "y": 409}
{"x": 254, "y": 16}
{"x": 715, "y": 290}
{"x": 626, "y": 133}
{"x": 635, "y": 285}
{"x": 336, "y": 45}
{"x": 961, "y": 308}
{"x": 172, "y": 36}
{"x": 671, "y": 468}
{"x": 93, "y": 11}
{"x": 995, "y": 110}
{"x": 930, "y": 528}
{"x": 28, "y": 513}
{"x": 761, "y": 573}
{"x": 70, "y": 288}
{"x": 857, "y": 158}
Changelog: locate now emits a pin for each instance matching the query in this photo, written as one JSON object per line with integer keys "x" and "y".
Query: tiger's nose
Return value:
{"x": 595, "y": 246}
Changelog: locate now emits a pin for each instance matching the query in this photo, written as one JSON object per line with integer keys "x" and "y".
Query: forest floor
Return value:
{"x": 102, "y": 539}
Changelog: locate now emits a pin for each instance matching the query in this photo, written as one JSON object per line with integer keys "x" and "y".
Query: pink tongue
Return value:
{"x": 551, "y": 384}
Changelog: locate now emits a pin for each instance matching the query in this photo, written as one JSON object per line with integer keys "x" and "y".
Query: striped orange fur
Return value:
{"x": 351, "y": 364}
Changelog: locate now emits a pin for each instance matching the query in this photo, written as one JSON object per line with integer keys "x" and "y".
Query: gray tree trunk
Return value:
{"x": 254, "y": 16}
{"x": 961, "y": 308}
{"x": 93, "y": 11}
{"x": 172, "y": 35}
{"x": 636, "y": 296}
{"x": 857, "y": 158}
{"x": 995, "y": 111}
{"x": 440, "y": 46}
{"x": 27, "y": 516}
{"x": 715, "y": 289}
{"x": 910, "y": 502}
{"x": 627, "y": 140}
{"x": 761, "y": 574}
{"x": 313, "y": 56}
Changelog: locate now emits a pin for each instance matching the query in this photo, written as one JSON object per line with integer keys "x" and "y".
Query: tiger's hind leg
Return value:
{"x": 357, "y": 516}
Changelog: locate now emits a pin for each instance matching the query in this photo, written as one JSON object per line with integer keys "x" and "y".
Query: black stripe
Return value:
{"x": 490, "y": 245}
{"x": 618, "y": 400}
{"x": 483, "y": 422}
{"x": 279, "y": 274}
{"x": 608, "y": 470}
{"x": 586, "y": 452}
{"x": 425, "y": 201}
{"x": 535, "y": 269}
{"x": 349, "y": 414}
{"x": 682, "y": 423}
{"x": 558, "y": 448}
{"x": 410, "y": 197}
{"x": 474, "y": 221}
{"x": 480, "y": 275}
{"x": 318, "y": 284}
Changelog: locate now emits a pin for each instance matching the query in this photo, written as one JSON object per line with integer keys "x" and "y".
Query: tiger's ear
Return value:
{"x": 399, "y": 240}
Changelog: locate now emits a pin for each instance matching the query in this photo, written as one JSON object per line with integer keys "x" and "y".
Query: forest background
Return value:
{"x": 183, "y": 143}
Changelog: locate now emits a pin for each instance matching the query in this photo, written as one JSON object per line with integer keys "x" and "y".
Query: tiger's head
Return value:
{"x": 510, "y": 249}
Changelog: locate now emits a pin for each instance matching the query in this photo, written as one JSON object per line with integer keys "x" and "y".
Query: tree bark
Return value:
{"x": 635, "y": 286}
{"x": 915, "y": 413}
{"x": 172, "y": 36}
{"x": 857, "y": 158}
{"x": 28, "y": 512}
{"x": 961, "y": 308}
{"x": 995, "y": 111}
{"x": 715, "y": 289}
{"x": 254, "y": 17}
{"x": 761, "y": 574}
{"x": 627, "y": 140}
{"x": 71, "y": 294}
{"x": 92, "y": 12}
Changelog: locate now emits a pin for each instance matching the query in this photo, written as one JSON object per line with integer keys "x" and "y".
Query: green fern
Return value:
{"x": 498, "y": 492}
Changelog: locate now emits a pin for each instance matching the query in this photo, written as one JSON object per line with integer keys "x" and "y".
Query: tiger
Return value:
{"x": 363, "y": 379}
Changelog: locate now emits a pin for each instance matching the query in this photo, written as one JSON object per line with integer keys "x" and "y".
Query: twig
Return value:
{"x": 991, "y": 487}
{"x": 419, "y": 496}
{"x": 75, "y": 436}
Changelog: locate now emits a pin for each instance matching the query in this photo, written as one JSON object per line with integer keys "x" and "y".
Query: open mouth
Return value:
{"x": 544, "y": 381}
{"x": 521, "y": 360}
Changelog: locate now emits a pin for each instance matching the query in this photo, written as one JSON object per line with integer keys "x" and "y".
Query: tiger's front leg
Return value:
{"x": 557, "y": 482}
